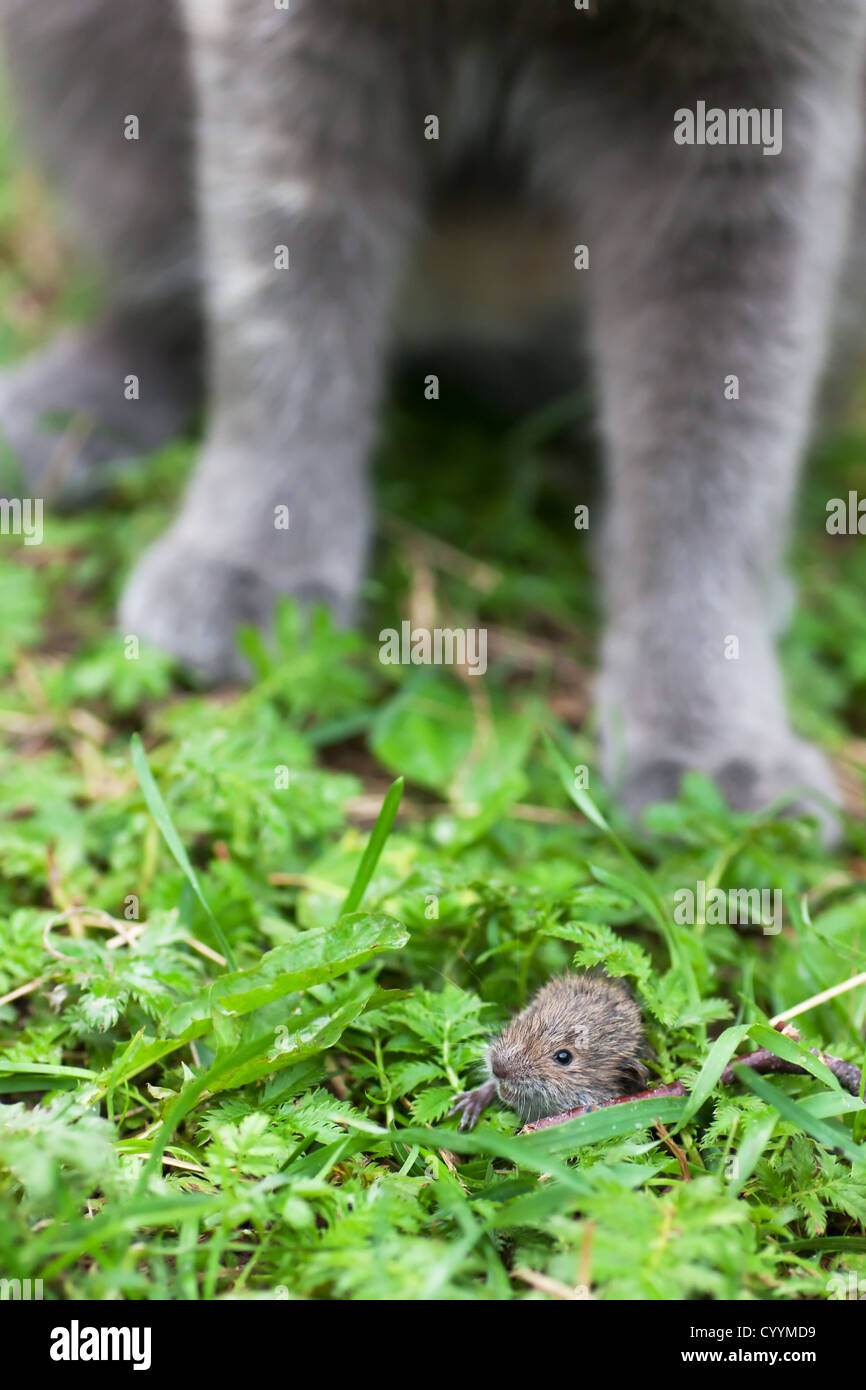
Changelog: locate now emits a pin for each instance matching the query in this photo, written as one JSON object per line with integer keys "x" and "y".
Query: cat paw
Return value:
{"x": 190, "y": 604}
{"x": 794, "y": 772}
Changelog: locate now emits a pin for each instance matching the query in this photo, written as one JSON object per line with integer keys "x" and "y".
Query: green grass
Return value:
{"x": 170, "y": 1127}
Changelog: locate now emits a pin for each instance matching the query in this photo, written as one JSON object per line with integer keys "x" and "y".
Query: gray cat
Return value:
{"x": 707, "y": 156}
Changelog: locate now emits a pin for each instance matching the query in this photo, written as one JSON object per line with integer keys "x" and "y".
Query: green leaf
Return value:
{"x": 312, "y": 958}
{"x": 313, "y": 1035}
{"x": 260, "y": 1055}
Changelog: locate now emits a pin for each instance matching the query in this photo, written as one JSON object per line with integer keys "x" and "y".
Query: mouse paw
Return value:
{"x": 470, "y": 1104}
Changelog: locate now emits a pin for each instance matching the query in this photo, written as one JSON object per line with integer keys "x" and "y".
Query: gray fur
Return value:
{"x": 309, "y": 133}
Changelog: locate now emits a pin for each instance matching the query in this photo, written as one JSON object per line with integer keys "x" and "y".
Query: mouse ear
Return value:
{"x": 633, "y": 1076}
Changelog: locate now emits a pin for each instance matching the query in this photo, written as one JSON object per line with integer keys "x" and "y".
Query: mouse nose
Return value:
{"x": 500, "y": 1069}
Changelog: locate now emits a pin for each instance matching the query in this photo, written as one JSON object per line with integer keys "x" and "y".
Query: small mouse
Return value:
{"x": 578, "y": 1042}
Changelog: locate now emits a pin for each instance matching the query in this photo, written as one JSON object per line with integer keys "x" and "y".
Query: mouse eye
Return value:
{"x": 563, "y": 1057}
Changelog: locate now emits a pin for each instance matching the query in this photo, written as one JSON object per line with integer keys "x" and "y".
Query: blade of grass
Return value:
{"x": 313, "y": 957}
{"x": 718, "y": 1058}
{"x": 826, "y": 1244}
{"x": 159, "y": 811}
{"x": 486, "y": 1144}
{"x": 14, "y": 1068}
{"x": 792, "y": 1051}
{"x": 376, "y": 843}
{"x": 543, "y": 1149}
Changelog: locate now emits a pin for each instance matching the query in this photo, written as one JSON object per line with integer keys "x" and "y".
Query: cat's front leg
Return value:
{"x": 309, "y": 174}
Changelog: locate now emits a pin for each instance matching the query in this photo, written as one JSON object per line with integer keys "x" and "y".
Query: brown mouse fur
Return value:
{"x": 592, "y": 1018}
